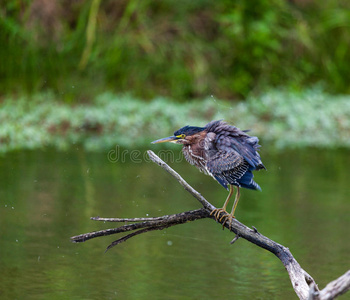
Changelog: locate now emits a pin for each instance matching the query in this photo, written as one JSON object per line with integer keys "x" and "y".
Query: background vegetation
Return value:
{"x": 98, "y": 73}
{"x": 280, "y": 118}
{"x": 182, "y": 49}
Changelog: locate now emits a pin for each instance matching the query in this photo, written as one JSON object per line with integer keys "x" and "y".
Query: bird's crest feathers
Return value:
{"x": 188, "y": 130}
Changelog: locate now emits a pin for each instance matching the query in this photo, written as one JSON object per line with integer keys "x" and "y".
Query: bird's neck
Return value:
{"x": 195, "y": 144}
{"x": 195, "y": 140}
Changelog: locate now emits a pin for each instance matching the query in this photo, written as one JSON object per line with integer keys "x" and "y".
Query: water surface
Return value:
{"x": 47, "y": 196}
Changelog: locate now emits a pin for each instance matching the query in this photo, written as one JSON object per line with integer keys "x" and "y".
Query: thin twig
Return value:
{"x": 127, "y": 219}
{"x": 235, "y": 239}
{"x": 130, "y": 235}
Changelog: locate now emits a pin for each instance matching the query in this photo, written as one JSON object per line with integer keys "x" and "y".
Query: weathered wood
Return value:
{"x": 303, "y": 284}
{"x": 333, "y": 289}
{"x": 156, "y": 223}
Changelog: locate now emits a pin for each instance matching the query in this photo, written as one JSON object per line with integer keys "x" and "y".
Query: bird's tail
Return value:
{"x": 247, "y": 181}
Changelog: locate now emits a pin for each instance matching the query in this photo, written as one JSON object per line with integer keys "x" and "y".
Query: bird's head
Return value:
{"x": 186, "y": 135}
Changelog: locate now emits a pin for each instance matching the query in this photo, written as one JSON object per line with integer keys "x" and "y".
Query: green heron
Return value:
{"x": 224, "y": 152}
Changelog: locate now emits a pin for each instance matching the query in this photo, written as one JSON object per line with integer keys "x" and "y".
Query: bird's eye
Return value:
{"x": 181, "y": 136}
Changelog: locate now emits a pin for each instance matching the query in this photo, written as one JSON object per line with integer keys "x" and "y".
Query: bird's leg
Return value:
{"x": 218, "y": 211}
{"x": 238, "y": 194}
{"x": 223, "y": 209}
{"x": 231, "y": 216}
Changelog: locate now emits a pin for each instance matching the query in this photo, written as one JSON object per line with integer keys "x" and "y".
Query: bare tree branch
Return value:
{"x": 151, "y": 223}
{"x": 303, "y": 284}
{"x": 333, "y": 289}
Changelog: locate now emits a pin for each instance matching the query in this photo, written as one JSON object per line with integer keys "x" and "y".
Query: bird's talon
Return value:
{"x": 225, "y": 216}
{"x": 214, "y": 212}
{"x": 217, "y": 212}
{"x": 230, "y": 218}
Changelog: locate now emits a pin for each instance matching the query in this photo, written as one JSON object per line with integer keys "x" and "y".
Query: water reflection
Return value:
{"x": 46, "y": 197}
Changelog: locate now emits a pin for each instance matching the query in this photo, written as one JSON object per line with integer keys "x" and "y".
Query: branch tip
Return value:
{"x": 255, "y": 230}
{"x": 235, "y": 239}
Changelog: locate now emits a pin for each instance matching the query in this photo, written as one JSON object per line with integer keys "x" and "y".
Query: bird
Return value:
{"x": 224, "y": 152}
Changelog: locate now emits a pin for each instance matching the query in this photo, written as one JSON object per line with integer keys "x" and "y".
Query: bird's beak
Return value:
{"x": 172, "y": 139}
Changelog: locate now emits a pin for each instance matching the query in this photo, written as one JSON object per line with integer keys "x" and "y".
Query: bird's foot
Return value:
{"x": 217, "y": 211}
{"x": 226, "y": 217}
{"x": 222, "y": 218}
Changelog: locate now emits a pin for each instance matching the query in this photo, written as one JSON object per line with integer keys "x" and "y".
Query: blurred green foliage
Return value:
{"x": 182, "y": 49}
{"x": 282, "y": 119}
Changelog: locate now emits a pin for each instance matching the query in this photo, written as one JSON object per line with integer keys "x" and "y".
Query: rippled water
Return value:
{"x": 46, "y": 197}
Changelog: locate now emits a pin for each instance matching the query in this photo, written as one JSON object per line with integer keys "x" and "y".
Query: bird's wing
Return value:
{"x": 227, "y": 167}
{"x": 220, "y": 161}
{"x": 230, "y": 138}
{"x": 245, "y": 145}
{"x": 221, "y": 157}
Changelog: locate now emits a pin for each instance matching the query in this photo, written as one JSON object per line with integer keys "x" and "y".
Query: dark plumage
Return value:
{"x": 222, "y": 151}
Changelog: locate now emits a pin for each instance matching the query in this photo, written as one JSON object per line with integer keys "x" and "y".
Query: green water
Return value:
{"x": 47, "y": 197}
